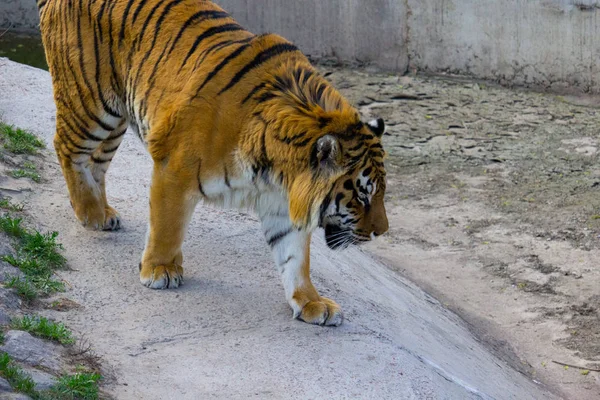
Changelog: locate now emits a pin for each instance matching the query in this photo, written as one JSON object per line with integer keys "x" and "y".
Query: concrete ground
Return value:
{"x": 494, "y": 209}
{"x": 228, "y": 333}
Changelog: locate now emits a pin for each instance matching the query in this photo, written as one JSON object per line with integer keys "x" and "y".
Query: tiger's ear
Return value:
{"x": 326, "y": 155}
{"x": 377, "y": 126}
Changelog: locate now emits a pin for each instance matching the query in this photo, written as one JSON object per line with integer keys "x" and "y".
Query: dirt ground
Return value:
{"x": 228, "y": 332}
{"x": 494, "y": 205}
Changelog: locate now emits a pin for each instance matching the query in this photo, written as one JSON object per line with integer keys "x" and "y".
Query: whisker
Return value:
{"x": 338, "y": 234}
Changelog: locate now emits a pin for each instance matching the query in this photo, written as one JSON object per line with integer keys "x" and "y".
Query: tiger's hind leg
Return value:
{"x": 100, "y": 161}
{"x": 77, "y": 142}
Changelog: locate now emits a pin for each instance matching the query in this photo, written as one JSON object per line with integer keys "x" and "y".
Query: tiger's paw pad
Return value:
{"x": 324, "y": 312}
{"x": 112, "y": 219}
{"x": 162, "y": 276}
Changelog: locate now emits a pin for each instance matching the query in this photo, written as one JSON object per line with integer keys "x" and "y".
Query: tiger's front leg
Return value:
{"x": 291, "y": 251}
{"x": 173, "y": 197}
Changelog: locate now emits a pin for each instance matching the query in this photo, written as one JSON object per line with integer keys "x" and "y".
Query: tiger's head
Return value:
{"x": 353, "y": 212}
{"x": 329, "y": 161}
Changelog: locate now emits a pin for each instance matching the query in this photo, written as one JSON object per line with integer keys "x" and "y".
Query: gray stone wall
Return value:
{"x": 19, "y": 15}
{"x": 548, "y": 43}
{"x": 353, "y": 30}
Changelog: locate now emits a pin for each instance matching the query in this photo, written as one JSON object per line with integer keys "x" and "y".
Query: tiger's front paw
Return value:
{"x": 112, "y": 219}
{"x": 161, "y": 276}
{"x": 323, "y": 312}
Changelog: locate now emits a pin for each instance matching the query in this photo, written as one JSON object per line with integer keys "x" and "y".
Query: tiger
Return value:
{"x": 228, "y": 117}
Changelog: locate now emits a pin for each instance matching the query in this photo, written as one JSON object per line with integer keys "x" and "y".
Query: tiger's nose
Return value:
{"x": 381, "y": 228}
{"x": 375, "y": 234}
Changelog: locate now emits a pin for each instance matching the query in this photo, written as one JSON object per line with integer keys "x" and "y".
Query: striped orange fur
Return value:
{"x": 229, "y": 117}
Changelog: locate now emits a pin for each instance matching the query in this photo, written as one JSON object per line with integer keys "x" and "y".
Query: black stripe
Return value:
{"x": 68, "y": 155}
{"x": 324, "y": 207}
{"x": 157, "y": 28}
{"x": 338, "y": 199}
{"x": 265, "y": 97}
{"x": 66, "y": 137}
{"x": 73, "y": 152}
{"x": 227, "y": 178}
{"x": 263, "y": 148}
{"x": 199, "y": 16}
{"x": 302, "y": 143}
{"x": 137, "y": 11}
{"x": 83, "y": 128}
{"x": 208, "y": 33}
{"x": 273, "y": 240}
{"x": 99, "y": 19}
{"x": 100, "y": 161}
{"x": 118, "y": 135}
{"x": 307, "y": 75}
{"x": 67, "y": 101}
{"x": 160, "y": 20}
{"x": 284, "y": 82}
{"x": 85, "y": 133}
{"x": 90, "y": 114}
{"x": 357, "y": 147}
{"x": 140, "y": 37}
{"x": 105, "y": 105}
{"x": 113, "y": 65}
{"x": 125, "y": 15}
{"x": 89, "y": 14}
{"x": 79, "y": 121}
{"x": 222, "y": 65}
{"x": 199, "y": 180}
{"x": 151, "y": 79}
{"x": 290, "y": 139}
{"x": 219, "y": 46}
{"x": 324, "y": 121}
{"x": 260, "y": 58}
{"x": 253, "y": 92}
{"x": 111, "y": 150}
{"x": 81, "y": 64}
{"x": 290, "y": 258}
{"x": 317, "y": 93}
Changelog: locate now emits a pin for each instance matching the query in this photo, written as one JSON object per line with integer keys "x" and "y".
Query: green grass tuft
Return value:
{"x": 12, "y": 226}
{"x": 19, "y": 141}
{"x": 82, "y": 385}
{"x": 18, "y": 380}
{"x": 43, "y": 327}
{"x": 44, "y": 247}
{"x": 26, "y": 173}
{"x": 37, "y": 256}
{"x": 24, "y": 288}
{"x": 6, "y": 204}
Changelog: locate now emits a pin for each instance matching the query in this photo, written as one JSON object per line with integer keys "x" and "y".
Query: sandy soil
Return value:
{"x": 461, "y": 227}
{"x": 494, "y": 205}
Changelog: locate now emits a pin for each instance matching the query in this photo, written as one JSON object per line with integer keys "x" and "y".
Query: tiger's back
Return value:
{"x": 141, "y": 59}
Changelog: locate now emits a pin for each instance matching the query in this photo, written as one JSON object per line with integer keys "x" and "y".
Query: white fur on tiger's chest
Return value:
{"x": 244, "y": 193}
